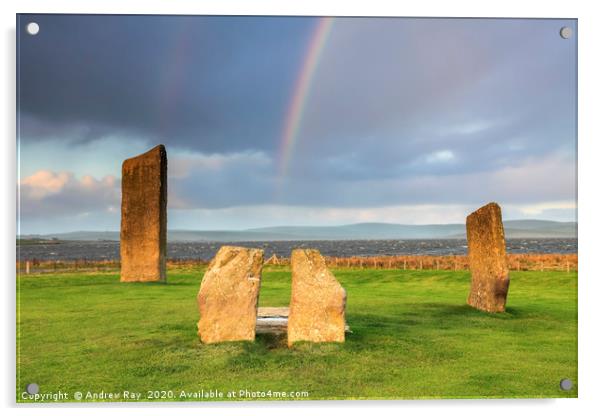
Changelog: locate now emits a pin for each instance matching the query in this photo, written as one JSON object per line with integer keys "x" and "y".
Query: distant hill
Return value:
{"x": 361, "y": 231}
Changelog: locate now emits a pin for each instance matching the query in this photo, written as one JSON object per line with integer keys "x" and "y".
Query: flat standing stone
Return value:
{"x": 487, "y": 258}
{"x": 227, "y": 299}
{"x": 144, "y": 216}
{"x": 317, "y": 308}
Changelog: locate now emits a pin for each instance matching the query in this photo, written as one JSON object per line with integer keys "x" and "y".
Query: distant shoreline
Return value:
{"x": 360, "y": 231}
{"x": 205, "y": 250}
{"x": 40, "y": 241}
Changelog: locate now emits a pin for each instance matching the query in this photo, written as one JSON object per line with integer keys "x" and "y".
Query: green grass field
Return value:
{"x": 413, "y": 337}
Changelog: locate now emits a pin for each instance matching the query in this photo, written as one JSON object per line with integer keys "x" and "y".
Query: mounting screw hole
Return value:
{"x": 566, "y": 32}
{"x": 32, "y": 28}
{"x": 566, "y": 384}
{"x": 32, "y": 388}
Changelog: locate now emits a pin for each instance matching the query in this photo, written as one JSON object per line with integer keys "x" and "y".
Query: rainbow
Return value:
{"x": 173, "y": 82}
{"x": 296, "y": 107}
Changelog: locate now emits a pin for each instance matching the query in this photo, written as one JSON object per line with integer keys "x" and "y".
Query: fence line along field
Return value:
{"x": 516, "y": 262}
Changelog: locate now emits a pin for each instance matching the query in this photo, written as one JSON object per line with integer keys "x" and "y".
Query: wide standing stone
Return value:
{"x": 317, "y": 308}
{"x": 487, "y": 258}
{"x": 228, "y": 295}
{"x": 144, "y": 216}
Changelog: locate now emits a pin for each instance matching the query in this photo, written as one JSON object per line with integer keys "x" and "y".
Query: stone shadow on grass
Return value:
{"x": 364, "y": 327}
{"x": 446, "y": 311}
{"x": 271, "y": 341}
{"x": 442, "y": 315}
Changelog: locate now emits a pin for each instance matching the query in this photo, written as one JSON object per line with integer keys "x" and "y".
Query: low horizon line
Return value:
{"x": 300, "y": 226}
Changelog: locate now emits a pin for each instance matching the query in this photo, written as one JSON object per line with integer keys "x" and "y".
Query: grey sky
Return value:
{"x": 406, "y": 120}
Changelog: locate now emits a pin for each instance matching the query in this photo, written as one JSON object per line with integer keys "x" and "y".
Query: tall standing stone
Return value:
{"x": 227, "y": 299}
{"x": 144, "y": 216}
{"x": 317, "y": 308}
{"x": 487, "y": 259}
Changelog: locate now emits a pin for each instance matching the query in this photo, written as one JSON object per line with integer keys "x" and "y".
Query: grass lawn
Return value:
{"x": 413, "y": 337}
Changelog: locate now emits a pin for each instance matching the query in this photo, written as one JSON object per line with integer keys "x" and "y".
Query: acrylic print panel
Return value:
{"x": 295, "y": 208}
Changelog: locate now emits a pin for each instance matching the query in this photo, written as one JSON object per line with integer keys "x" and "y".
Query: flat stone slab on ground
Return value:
{"x": 271, "y": 320}
{"x": 272, "y": 311}
{"x": 274, "y": 320}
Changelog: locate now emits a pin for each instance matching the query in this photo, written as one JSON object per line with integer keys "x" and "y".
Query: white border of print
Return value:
{"x": 590, "y": 137}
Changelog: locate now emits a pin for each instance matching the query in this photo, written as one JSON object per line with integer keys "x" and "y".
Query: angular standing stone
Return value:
{"x": 487, "y": 258}
{"x": 144, "y": 216}
{"x": 228, "y": 295}
{"x": 317, "y": 308}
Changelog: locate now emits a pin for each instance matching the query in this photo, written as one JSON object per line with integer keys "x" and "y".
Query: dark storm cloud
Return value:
{"x": 206, "y": 83}
{"x": 399, "y": 111}
{"x": 494, "y": 93}
{"x": 218, "y": 181}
